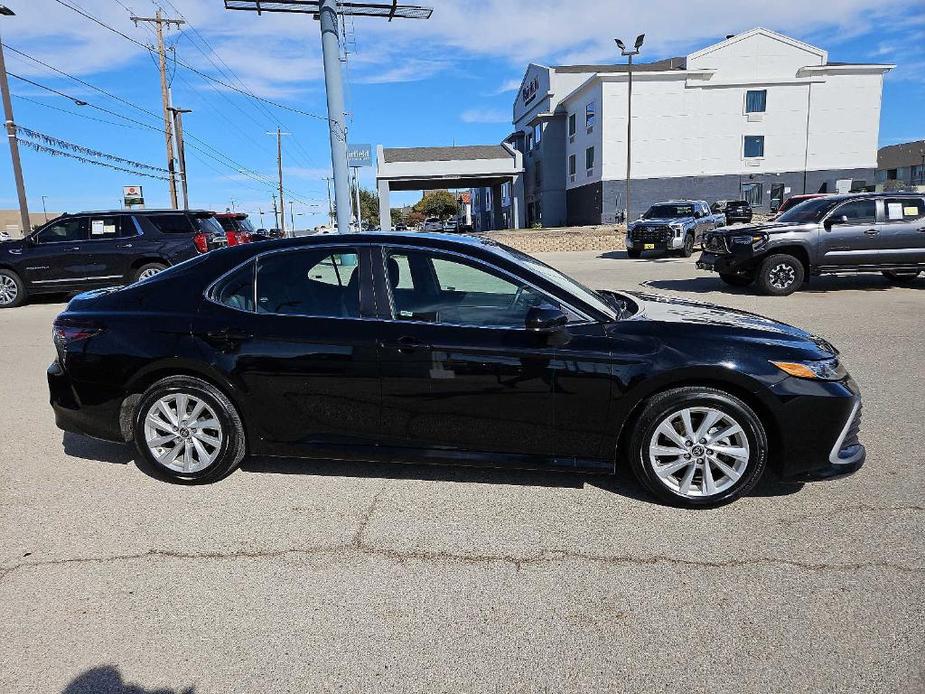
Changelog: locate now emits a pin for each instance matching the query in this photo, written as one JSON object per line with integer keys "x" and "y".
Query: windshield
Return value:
{"x": 808, "y": 211}
{"x": 669, "y": 211}
{"x": 589, "y": 296}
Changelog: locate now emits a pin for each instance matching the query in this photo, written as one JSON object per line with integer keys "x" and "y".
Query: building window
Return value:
{"x": 756, "y": 100}
{"x": 537, "y": 134}
{"x": 751, "y": 193}
{"x": 589, "y": 160}
{"x": 529, "y": 141}
{"x": 571, "y": 167}
{"x": 589, "y": 116}
{"x": 754, "y": 146}
{"x": 571, "y": 125}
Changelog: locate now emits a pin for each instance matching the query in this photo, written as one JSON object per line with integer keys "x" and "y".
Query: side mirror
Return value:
{"x": 832, "y": 221}
{"x": 545, "y": 318}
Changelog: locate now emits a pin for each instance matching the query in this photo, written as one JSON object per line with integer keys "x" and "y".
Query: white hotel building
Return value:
{"x": 757, "y": 116}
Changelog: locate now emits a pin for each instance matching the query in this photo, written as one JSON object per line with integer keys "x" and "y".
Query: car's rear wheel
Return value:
{"x": 780, "y": 275}
{"x": 12, "y": 290}
{"x": 698, "y": 447}
{"x": 687, "y": 250}
{"x": 735, "y": 279}
{"x": 188, "y": 431}
{"x": 149, "y": 270}
{"x": 900, "y": 276}
{"x": 633, "y": 253}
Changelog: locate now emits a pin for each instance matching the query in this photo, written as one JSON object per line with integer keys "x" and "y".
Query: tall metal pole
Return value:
{"x": 159, "y": 22}
{"x": 275, "y": 214}
{"x": 181, "y": 151}
{"x": 328, "y": 179}
{"x": 629, "y": 133}
{"x": 334, "y": 85}
{"x": 14, "y": 148}
{"x": 356, "y": 183}
{"x": 279, "y": 164}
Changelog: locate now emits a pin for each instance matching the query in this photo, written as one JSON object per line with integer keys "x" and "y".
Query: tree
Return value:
{"x": 440, "y": 203}
{"x": 369, "y": 206}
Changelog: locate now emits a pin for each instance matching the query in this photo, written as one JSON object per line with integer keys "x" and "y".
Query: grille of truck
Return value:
{"x": 715, "y": 243}
{"x": 653, "y": 234}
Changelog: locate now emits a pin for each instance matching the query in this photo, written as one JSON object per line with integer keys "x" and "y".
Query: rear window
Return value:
{"x": 237, "y": 290}
{"x": 903, "y": 209}
{"x": 172, "y": 223}
{"x": 209, "y": 225}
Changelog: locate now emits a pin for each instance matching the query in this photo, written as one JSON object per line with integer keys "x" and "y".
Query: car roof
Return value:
{"x": 140, "y": 212}
{"x": 839, "y": 197}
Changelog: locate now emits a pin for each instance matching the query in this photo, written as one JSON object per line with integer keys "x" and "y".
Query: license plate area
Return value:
{"x": 648, "y": 246}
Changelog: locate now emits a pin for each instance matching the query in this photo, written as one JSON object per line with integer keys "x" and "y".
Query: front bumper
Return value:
{"x": 671, "y": 243}
{"x": 727, "y": 263}
{"x": 819, "y": 428}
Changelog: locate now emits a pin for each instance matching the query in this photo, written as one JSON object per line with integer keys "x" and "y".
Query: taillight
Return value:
{"x": 201, "y": 242}
{"x": 66, "y": 331}
{"x": 233, "y": 239}
{"x": 244, "y": 237}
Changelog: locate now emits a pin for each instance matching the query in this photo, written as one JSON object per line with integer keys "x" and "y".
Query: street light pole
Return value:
{"x": 11, "y": 136}
{"x": 629, "y": 113}
{"x": 44, "y": 211}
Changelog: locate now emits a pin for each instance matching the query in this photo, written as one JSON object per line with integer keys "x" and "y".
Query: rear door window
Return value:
{"x": 70, "y": 230}
{"x": 172, "y": 223}
{"x": 317, "y": 282}
{"x": 104, "y": 227}
{"x": 903, "y": 209}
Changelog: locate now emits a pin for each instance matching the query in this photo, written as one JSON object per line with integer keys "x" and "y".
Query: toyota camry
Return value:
{"x": 446, "y": 349}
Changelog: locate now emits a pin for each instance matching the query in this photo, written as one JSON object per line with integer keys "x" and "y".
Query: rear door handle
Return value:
{"x": 123, "y": 245}
{"x": 872, "y": 232}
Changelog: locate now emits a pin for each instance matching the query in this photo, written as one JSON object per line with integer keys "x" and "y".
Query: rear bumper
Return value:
{"x": 97, "y": 419}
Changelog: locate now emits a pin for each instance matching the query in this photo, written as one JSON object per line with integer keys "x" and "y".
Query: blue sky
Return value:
{"x": 447, "y": 80}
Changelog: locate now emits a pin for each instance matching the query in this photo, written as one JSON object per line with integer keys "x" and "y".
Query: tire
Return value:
{"x": 221, "y": 442}
{"x": 12, "y": 290}
{"x": 780, "y": 275}
{"x": 688, "y": 249}
{"x": 650, "y": 448}
{"x": 901, "y": 277}
{"x": 633, "y": 253}
{"x": 148, "y": 270}
{"x": 737, "y": 280}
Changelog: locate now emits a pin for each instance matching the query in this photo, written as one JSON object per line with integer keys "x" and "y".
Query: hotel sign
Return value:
{"x": 528, "y": 91}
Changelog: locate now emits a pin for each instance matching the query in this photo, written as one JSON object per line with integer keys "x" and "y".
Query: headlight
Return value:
{"x": 754, "y": 240}
{"x": 822, "y": 370}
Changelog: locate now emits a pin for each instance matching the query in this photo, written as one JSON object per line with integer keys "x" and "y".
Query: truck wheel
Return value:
{"x": 633, "y": 253}
{"x": 736, "y": 279}
{"x": 900, "y": 277}
{"x": 687, "y": 250}
{"x": 780, "y": 275}
{"x": 12, "y": 290}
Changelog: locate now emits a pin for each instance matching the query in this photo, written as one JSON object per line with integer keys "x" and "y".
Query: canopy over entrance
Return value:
{"x": 434, "y": 168}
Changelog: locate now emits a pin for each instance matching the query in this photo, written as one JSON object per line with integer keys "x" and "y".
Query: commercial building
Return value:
{"x": 901, "y": 166}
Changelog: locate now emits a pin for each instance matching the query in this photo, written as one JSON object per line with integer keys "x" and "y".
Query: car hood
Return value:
{"x": 711, "y": 321}
{"x": 14, "y": 246}
{"x": 767, "y": 227}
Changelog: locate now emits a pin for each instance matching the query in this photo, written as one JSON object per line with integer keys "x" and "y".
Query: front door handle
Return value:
{"x": 406, "y": 344}
{"x": 872, "y": 232}
{"x": 123, "y": 245}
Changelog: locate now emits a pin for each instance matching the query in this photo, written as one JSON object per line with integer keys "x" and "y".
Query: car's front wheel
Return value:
{"x": 687, "y": 250}
{"x": 900, "y": 276}
{"x": 188, "y": 431}
{"x": 780, "y": 275}
{"x": 698, "y": 447}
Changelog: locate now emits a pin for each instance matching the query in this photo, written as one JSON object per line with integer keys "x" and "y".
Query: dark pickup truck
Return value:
{"x": 867, "y": 232}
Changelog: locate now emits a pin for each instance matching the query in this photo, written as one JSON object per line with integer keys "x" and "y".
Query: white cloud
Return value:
{"x": 507, "y": 86}
{"x": 485, "y": 115}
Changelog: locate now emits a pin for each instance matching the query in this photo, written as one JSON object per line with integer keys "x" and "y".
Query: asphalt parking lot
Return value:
{"x": 294, "y": 576}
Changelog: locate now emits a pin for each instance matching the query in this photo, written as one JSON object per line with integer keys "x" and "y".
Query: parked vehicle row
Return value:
{"x": 675, "y": 225}
{"x": 833, "y": 234}
{"x": 446, "y": 348}
{"x": 87, "y": 250}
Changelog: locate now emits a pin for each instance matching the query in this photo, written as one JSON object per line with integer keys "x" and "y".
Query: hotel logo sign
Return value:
{"x": 528, "y": 91}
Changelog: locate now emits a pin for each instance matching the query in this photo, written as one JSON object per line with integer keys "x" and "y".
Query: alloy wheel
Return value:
{"x": 150, "y": 272}
{"x": 8, "y": 290}
{"x": 782, "y": 276}
{"x": 183, "y": 433}
{"x": 699, "y": 452}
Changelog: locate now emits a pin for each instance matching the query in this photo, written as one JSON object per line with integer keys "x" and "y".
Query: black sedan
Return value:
{"x": 446, "y": 349}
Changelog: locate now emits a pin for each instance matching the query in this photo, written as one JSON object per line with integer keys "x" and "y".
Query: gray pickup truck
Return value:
{"x": 675, "y": 225}
{"x": 866, "y": 232}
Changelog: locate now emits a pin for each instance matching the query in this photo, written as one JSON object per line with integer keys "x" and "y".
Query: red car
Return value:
{"x": 238, "y": 228}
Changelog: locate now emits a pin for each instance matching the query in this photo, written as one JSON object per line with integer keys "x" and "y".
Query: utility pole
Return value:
{"x": 330, "y": 205}
{"x": 11, "y": 136}
{"x": 356, "y": 183}
{"x": 275, "y": 213}
{"x": 326, "y": 11}
{"x": 629, "y": 112}
{"x": 44, "y": 209}
{"x": 279, "y": 164}
{"x": 291, "y": 217}
{"x": 159, "y": 21}
{"x": 181, "y": 150}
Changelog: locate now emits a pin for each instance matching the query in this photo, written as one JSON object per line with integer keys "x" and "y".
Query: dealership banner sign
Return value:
{"x": 133, "y": 196}
{"x": 359, "y": 155}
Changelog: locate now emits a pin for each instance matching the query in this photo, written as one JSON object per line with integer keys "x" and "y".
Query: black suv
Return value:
{"x": 735, "y": 210}
{"x": 97, "y": 249}
{"x": 866, "y": 232}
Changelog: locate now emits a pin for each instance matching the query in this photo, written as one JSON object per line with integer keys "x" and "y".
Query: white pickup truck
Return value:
{"x": 675, "y": 225}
